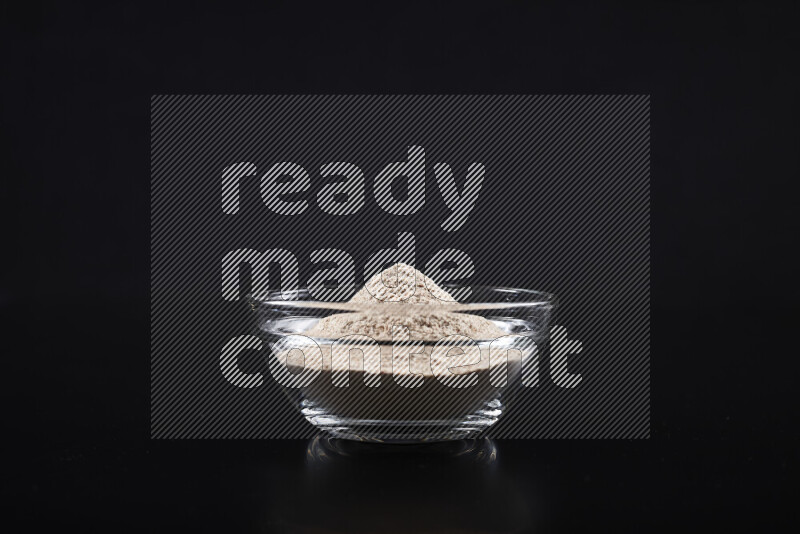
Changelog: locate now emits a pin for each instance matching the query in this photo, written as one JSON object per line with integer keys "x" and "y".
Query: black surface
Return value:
{"x": 77, "y": 81}
{"x": 723, "y": 453}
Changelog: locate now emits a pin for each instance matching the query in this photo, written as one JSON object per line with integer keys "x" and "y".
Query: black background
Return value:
{"x": 77, "y": 81}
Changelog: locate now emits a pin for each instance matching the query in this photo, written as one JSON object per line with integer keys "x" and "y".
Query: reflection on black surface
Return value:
{"x": 323, "y": 450}
{"x": 279, "y": 486}
{"x": 456, "y": 486}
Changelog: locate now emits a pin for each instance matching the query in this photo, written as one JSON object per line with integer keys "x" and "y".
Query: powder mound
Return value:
{"x": 412, "y": 300}
{"x": 402, "y": 283}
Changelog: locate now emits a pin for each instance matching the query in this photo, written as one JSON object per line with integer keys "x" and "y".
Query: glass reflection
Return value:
{"x": 456, "y": 486}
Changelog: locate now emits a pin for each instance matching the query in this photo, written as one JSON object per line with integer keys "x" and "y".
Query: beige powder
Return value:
{"x": 407, "y": 298}
{"x": 430, "y": 313}
{"x": 402, "y": 283}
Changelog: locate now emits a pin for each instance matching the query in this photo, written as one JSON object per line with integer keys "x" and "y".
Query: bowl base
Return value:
{"x": 400, "y": 432}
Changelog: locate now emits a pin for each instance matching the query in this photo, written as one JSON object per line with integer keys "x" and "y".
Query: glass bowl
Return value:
{"x": 402, "y": 372}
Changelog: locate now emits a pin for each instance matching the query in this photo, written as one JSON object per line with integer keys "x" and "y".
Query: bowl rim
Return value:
{"x": 274, "y": 298}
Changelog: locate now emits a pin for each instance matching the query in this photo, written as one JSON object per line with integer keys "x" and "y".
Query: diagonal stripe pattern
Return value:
{"x": 561, "y": 204}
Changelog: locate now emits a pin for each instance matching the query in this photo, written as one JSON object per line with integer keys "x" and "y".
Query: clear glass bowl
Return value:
{"x": 413, "y": 388}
